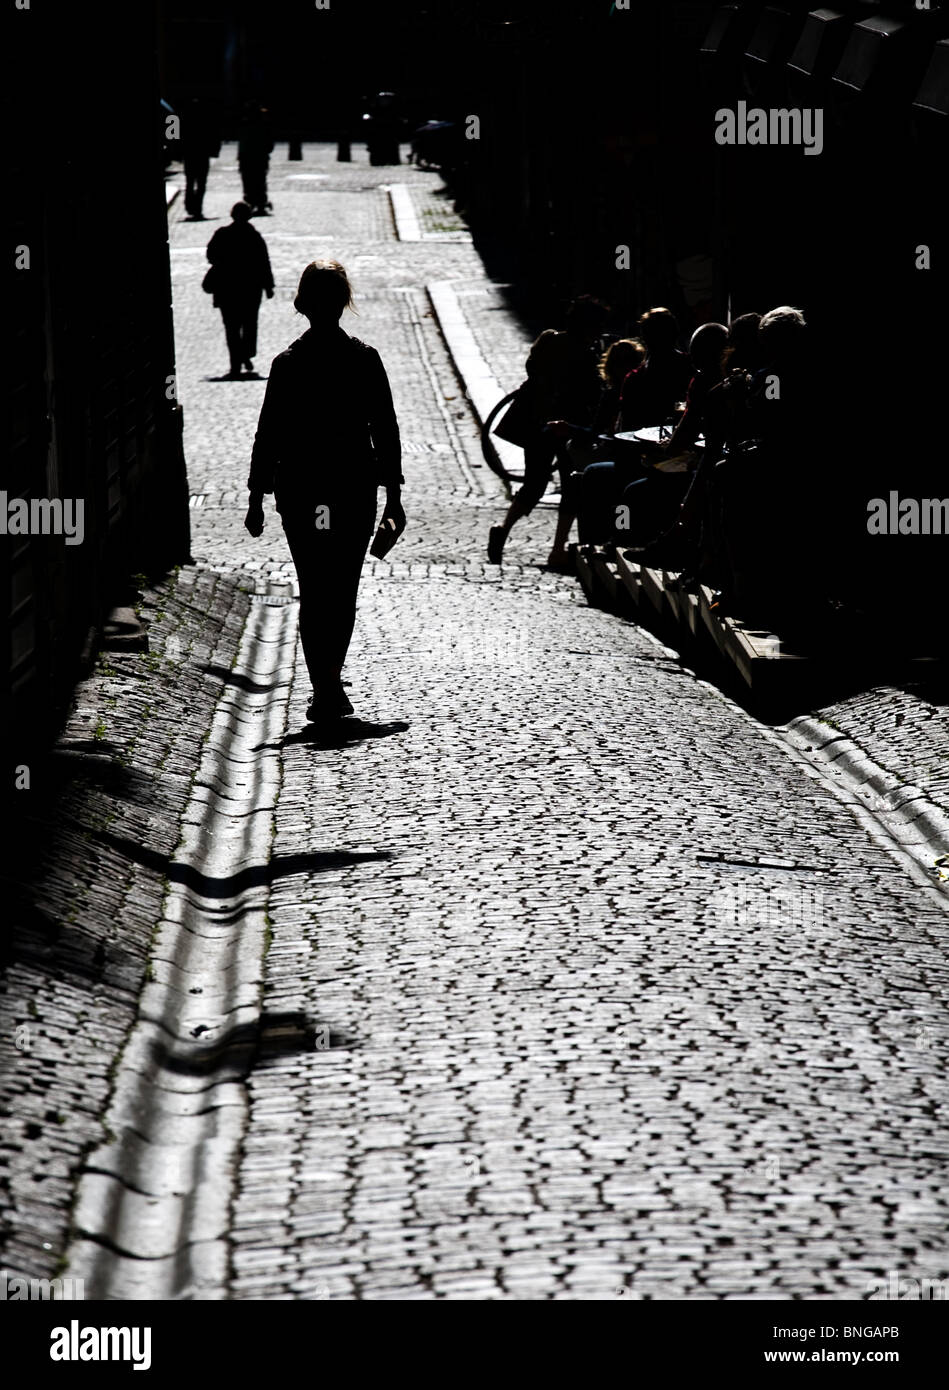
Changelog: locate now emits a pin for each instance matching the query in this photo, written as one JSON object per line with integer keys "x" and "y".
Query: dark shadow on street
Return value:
{"x": 242, "y": 682}
{"x": 87, "y": 763}
{"x": 255, "y": 876}
{"x": 343, "y": 733}
{"x": 251, "y": 1045}
{"x": 236, "y": 380}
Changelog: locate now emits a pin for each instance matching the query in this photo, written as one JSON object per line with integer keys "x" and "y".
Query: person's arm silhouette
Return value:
{"x": 386, "y": 441}
{"x": 263, "y": 462}
{"x": 266, "y": 274}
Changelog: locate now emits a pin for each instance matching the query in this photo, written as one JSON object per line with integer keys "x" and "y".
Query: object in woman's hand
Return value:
{"x": 386, "y": 537}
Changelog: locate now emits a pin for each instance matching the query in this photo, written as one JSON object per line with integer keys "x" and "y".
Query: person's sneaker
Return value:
{"x": 496, "y": 539}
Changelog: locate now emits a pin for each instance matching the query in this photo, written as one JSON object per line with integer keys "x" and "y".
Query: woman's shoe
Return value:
{"x": 560, "y": 561}
{"x": 496, "y": 539}
{"x": 334, "y": 704}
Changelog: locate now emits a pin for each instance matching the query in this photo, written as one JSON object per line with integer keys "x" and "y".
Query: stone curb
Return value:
{"x": 481, "y": 386}
{"x": 153, "y": 1209}
{"x": 403, "y": 212}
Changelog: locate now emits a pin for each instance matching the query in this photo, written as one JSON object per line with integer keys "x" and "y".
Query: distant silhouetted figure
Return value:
{"x": 254, "y": 144}
{"x": 200, "y": 143}
{"x": 242, "y": 273}
{"x": 326, "y": 440}
{"x": 383, "y": 130}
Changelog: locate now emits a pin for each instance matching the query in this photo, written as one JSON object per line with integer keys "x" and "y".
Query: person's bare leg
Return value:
{"x": 566, "y": 510}
{"x": 498, "y": 535}
{"x": 514, "y": 513}
{"x": 537, "y": 463}
{"x": 565, "y": 519}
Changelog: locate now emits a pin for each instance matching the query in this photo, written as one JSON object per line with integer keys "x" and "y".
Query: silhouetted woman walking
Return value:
{"x": 240, "y": 271}
{"x": 327, "y": 438}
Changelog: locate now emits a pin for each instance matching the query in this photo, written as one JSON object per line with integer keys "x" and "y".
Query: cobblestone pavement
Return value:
{"x": 612, "y": 997}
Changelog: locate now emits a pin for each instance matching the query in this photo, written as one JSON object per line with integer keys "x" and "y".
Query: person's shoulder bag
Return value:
{"x": 518, "y": 423}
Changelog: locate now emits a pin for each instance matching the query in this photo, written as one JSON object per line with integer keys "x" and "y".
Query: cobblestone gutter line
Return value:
{"x": 413, "y": 308}
{"x": 153, "y": 1209}
{"x": 88, "y": 848}
{"x": 904, "y": 809}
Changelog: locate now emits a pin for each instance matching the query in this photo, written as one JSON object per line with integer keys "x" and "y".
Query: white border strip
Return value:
{"x": 403, "y": 212}
{"x": 481, "y": 385}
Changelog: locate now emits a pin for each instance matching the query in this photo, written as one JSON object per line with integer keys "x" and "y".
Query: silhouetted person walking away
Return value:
{"x": 254, "y": 144}
{"x": 326, "y": 440}
{"x": 241, "y": 273}
{"x": 199, "y": 145}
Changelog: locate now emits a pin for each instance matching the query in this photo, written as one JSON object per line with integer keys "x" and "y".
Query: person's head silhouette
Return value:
{"x": 241, "y": 212}
{"x": 706, "y": 347}
{"x": 782, "y": 334}
{"x": 324, "y": 293}
{"x": 658, "y": 330}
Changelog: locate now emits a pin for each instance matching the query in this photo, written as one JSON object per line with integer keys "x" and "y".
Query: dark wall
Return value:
{"x": 93, "y": 408}
{"x": 315, "y": 69}
{"x": 598, "y": 132}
